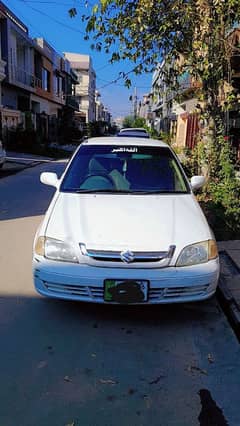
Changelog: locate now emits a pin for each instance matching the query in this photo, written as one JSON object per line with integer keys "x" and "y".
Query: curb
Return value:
{"x": 229, "y": 304}
{"x": 225, "y": 292}
{"x": 19, "y": 165}
{"x": 15, "y": 167}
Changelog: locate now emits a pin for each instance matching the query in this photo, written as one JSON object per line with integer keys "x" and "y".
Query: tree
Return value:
{"x": 130, "y": 121}
{"x": 145, "y": 31}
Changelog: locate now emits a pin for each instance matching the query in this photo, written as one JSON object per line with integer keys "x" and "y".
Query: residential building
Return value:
{"x": 99, "y": 107}
{"x": 185, "y": 108}
{"x": 118, "y": 122}
{"x": 174, "y": 109}
{"x": 107, "y": 115}
{"x": 17, "y": 54}
{"x": 2, "y": 62}
{"x": 177, "y": 111}
{"x": 86, "y": 87}
{"x": 53, "y": 90}
{"x": 145, "y": 108}
{"x": 37, "y": 82}
{"x": 102, "y": 112}
{"x": 41, "y": 91}
{"x": 161, "y": 100}
{"x": 69, "y": 131}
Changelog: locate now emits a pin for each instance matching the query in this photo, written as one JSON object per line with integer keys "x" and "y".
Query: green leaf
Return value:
{"x": 95, "y": 9}
{"x": 72, "y": 12}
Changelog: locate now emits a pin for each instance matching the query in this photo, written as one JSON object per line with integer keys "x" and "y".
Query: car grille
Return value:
{"x": 128, "y": 256}
{"x": 75, "y": 290}
{"x": 155, "y": 294}
{"x": 177, "y": 292}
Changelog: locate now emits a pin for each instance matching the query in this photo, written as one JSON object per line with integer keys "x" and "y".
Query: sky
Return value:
{"x": 49, "y": 19}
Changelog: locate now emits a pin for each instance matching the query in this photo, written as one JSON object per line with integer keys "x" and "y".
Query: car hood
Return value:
{"x": 135, "y": 222}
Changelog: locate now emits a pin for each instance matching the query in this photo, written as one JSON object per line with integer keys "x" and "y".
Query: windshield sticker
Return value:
{"x": 125, "y": 149}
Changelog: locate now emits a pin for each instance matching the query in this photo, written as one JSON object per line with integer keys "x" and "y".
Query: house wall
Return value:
{"x": 20, "y": 58}
{"x": 43, "y": 104}
{"x": 9, "y": 97}
{"x": 41, "y": 91}
{"x": 181, "y": 131}
{"x": 11, "y": 118}
{"x": 2, "y": 64}
{"x": 24, "y": 89}
{"x": 85, "y": 89}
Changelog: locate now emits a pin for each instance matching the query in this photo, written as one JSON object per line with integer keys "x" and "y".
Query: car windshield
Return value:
{"x": 124, "y": 169}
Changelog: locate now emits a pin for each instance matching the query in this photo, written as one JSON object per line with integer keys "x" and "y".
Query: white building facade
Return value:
{"x": 86, "y": 87}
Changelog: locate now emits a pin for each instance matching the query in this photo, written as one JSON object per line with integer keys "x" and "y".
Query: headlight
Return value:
{"x": 55, "y": 250}
{"x": 198, "y": 253}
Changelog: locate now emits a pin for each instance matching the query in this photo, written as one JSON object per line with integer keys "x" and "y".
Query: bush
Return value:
{"x": 220, "y": 196}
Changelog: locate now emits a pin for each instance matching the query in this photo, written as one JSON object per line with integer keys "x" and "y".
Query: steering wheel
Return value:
{"x": 102, "y": 175}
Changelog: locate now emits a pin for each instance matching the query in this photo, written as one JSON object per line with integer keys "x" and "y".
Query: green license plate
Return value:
{"x": 126, "y": 291}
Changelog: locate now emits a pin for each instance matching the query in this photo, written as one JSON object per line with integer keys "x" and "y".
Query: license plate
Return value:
{"x": 126, "y": 291}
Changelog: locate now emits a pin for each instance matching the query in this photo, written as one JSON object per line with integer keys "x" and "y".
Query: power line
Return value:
{"x": 108, "y": 83}
{"x": 80, "y": 32}
{"x": 122, "y": 85}
{"x": 37, "y": 30}
{"x": 46, "y": 2}
{"x": 53, "y": 19}
{"x": 55, "y": 2}
{"x": 58, "y": 22}
{"x": 104, "y": 66}
{"x": 117, "y": 79}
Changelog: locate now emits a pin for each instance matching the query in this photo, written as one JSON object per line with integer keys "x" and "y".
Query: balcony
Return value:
{"x": 22, "y": 78}
{"x": 2, "y": 70}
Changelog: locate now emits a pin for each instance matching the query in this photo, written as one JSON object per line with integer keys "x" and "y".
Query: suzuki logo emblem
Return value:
{"x": 127, "y": 256}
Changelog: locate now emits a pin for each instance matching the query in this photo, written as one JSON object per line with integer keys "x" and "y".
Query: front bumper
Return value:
{"x": 86, "y": 283}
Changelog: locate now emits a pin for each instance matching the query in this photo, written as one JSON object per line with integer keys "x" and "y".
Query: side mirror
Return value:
{"x": 197, "y": 182}
{"x": 49, "y": 179}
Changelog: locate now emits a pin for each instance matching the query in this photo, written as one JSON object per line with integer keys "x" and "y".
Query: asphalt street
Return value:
{"x": 76, "y": 364}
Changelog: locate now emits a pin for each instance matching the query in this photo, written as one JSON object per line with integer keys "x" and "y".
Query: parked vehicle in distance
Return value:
{"x": 124, "y": 227}
{"x": 2, "y": 155}
{"x": 134, "y": 132}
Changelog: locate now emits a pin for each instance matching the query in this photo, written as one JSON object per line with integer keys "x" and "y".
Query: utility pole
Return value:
{"x": 135, "y": 103}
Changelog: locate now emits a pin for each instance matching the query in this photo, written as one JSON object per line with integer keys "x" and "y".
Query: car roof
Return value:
{"x": 123, "y": 141}
{"x": 133, "y": 129}
{"x": 134, "y": 134}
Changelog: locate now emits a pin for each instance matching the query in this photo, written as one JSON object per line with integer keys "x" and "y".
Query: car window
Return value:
{"x": 131, "y": 168}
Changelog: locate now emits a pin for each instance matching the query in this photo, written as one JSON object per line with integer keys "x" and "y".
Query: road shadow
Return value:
{"x": 77, "y": 363}
{"x": 4, "y": 172}
{"x": 23, "y": 195}
{"x": 69, "y": 363}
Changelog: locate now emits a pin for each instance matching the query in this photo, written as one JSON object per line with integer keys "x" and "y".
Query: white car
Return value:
{"x": 2, "y": 155}
{"x": 125, "y": 227}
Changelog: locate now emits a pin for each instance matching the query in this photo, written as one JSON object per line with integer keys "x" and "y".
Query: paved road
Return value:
{"x": 65, "y": 363}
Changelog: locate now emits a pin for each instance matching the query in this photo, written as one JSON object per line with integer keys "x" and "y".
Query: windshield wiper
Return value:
{"x": 166, "y": 191}
{"x": 98, "y": 191}
{"x": 122, "y": 191}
